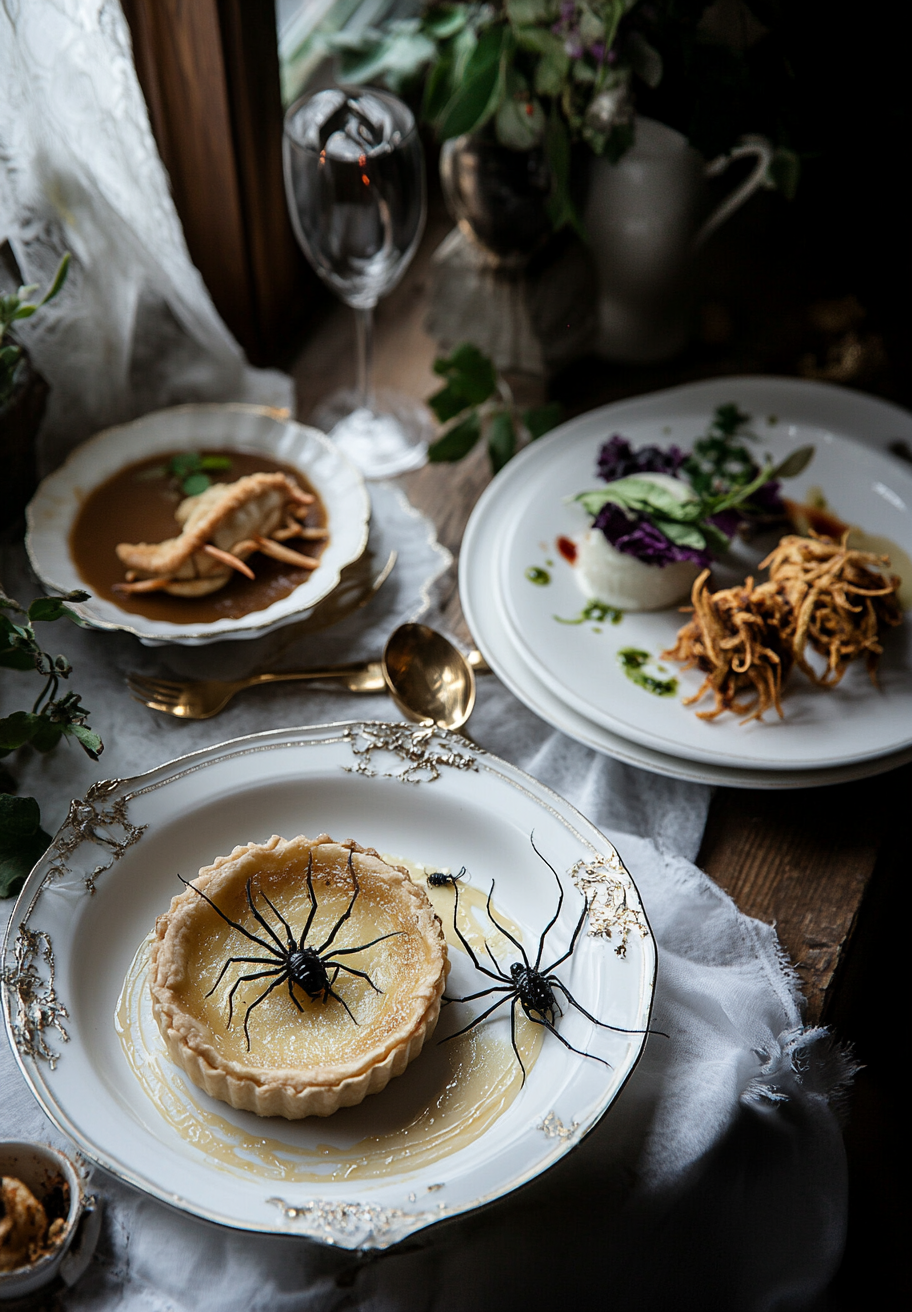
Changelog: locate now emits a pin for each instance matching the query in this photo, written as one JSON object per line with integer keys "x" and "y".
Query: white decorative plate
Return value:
{"x": 406, "y": 1158}
{"x": 55, "y": 505}
{"x": 555, "y": 692}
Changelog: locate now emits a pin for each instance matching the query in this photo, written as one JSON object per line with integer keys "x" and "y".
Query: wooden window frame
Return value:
{"x": 209, "y": 71}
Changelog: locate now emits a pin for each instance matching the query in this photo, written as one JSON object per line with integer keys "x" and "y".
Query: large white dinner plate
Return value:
{"x": 875, "y": 423}
{"x": 55, "y": 506}
{"x": 855, "y": 722}
{"x": 69, "y": 950}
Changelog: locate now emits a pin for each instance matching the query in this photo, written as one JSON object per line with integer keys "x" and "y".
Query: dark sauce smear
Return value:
{"x": 567, "y": 548}
{"x": 136, "y": 505}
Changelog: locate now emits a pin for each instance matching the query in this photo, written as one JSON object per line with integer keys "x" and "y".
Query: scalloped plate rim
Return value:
{"x": 177, "y": 767}
{"x": 152, "y": 632}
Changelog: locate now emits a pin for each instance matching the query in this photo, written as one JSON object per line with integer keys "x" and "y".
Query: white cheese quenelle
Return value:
{"x": 618, "y": 579}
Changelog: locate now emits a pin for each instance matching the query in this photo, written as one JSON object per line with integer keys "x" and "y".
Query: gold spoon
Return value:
{"x": 429, "y": 680}
{"x": 200, "y": 699}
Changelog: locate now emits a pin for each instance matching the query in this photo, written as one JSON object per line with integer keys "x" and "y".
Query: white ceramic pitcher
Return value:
{"x": 643, "y": 220}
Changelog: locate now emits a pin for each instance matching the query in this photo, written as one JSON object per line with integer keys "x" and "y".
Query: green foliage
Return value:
{"x": 22, "y": 841}
{"x": 688, "y": 523}
{"x": 542, "y": 74}
{"x": 51, "y": 718}
{"x": 476, "y": 401}
{"x": 17, "y": 306}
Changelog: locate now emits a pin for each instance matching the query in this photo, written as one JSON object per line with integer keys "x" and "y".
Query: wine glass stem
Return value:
{"x": 364, "y": 335}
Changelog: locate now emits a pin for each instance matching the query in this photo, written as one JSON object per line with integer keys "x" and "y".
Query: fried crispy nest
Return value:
{"x": 821, "y": 593}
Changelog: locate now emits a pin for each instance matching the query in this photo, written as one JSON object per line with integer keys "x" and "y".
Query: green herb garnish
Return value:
{"x": 687, "y": 523}
{"x": 189, "y": 468}
{"x": 535, "y": 574}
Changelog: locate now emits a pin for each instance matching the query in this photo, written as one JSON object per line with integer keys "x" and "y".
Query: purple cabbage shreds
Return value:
{"x": 727, "y": 521}
{"x": 768, "y": 498}
{"x": 637, "y": 537}
{"x": 617, "y": 459}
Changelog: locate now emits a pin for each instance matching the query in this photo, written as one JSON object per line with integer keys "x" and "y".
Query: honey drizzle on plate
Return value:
{"x": 476, "y": 1080}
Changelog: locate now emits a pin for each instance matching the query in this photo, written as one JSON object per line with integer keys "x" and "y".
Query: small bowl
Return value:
{"x": 55, "y": 506}
{"x": 42, "y": 1169}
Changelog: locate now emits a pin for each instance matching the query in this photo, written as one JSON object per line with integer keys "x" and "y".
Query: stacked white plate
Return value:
{"x": 570, "y": 674}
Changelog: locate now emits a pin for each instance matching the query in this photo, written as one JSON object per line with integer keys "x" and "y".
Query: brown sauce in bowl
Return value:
{"x": 137, "y": 505}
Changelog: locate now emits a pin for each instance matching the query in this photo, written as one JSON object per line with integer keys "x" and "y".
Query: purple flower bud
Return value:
{"x": 568, "y": 10}
{"x": 617, "y": 459}
{"x": 597, "y": 51}
{"x": 612, "y": 57}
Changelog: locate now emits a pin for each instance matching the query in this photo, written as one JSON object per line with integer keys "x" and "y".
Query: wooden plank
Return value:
{"x": 209, "y": 73}
{"x": 803, "y": 860}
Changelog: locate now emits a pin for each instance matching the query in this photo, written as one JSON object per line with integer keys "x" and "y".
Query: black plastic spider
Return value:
{"x": 530, "y": 986}
{"x": 439, "y": 880}
{"x": 308, "y": 967}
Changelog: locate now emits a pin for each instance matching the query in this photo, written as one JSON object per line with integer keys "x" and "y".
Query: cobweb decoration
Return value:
{"x": 134, "y": 328}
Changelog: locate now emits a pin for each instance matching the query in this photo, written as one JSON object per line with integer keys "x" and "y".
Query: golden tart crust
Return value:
{"x": 313, "y": 1063}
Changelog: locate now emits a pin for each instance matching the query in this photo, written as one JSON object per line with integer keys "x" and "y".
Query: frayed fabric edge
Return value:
{"x": 811, "y": 1059}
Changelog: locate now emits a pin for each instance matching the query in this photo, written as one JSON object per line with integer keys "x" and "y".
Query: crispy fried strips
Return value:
{"x": 820, "y": 593}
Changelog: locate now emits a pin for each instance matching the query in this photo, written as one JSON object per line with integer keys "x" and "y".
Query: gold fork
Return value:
{"x": 202, "y": 698}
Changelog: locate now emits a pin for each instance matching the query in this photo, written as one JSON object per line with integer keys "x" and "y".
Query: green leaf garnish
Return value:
{"x": 188, "y": 466}
{"x": 194, "y": 484}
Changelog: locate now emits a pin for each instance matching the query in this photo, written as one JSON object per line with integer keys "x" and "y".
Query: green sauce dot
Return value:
{"x": 595, "y": 612}
{"x": 535, "y": 574}
{"x": 632, "y": 660}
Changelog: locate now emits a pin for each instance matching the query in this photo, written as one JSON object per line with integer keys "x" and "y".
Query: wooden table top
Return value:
{"x": 805, "y": 860}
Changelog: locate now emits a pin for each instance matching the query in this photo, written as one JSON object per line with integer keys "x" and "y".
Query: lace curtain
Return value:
{"x": 134, "y": 328}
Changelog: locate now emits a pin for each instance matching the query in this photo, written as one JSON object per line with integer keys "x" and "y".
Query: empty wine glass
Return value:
{"x": 354, "y": 178}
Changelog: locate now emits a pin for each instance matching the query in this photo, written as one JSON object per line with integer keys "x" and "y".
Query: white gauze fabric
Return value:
{"x": 134, "y": 328}
{"x": 715, "y": 1183}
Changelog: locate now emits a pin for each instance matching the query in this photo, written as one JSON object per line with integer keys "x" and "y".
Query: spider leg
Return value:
{"x": 477, "y": 1021}
{"x": 548, "y": 1014}
{"x": 346, "y": 952}
{"x": 466, "y": 944}
{"x": 619, "y": 1029}
{"x": 261, "y": 998}
{"x": 313, "y": 898}
{"x": 576, "y": 933}
{"x": 513, "y": 1039}
{"x": 362, "y": 974}
{"x": 232, "y": 961}
{"x": 264, "y": 922}
{"x": 560, "y": 901}
{"x": 496, "y": 962}
{"x": 503, "y": 929}
{"x": 263, "y": 974}
{"x": 277, "y": 913}
{"x": 292, "y": 996}
{"x": 233, "y": 923}
{"x": 335, "y": 995}
{"x": 550, "y": 1028}
{"x": 470, "y": 997}
{"x": 345, "y": 915}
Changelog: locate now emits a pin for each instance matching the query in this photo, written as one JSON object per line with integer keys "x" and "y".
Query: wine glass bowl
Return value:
{"x": 354, "y": 179}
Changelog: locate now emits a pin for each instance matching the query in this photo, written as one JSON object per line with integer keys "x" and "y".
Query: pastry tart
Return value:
{"x": 310, "y": 1052}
